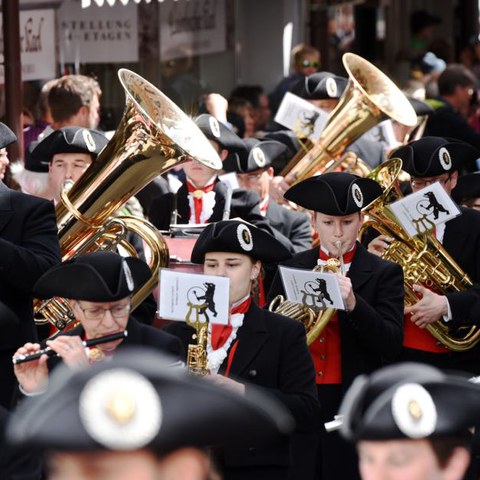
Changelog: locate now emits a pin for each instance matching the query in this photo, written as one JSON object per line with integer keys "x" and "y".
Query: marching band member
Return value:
{"x": 138, "y": 418}
{"x": 429, "y": 160}
{"x": 368, "y": 334}
{"x": 67, "y": 152}
{"x": 411, "y": 422}
{"x": 99, "y": 286}
{"x": 257, "y": 347}
{"x": 255, "y": 172}
{"x": 203, "y": 197}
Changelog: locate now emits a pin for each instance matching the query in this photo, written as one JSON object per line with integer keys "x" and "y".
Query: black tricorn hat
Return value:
{"x": 260, "y": 155}
{"x": 139, "y": 400}
{"x": 237, "y": 236}
{"x": 95, "y": 277}
{"x": 409, "y": 400}
{"x": 69, "y": 140}
{"x": 467, "y": 188}
{"x": 320, "y": 86}
{"x": 335, "y": 193}
{"x": 7, "y": 137}
{"x": 34, "y": 164}
{"x": 218, "y": 132}
{"x": 432, "y": 156}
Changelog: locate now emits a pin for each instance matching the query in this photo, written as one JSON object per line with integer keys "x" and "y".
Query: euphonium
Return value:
{"x": 423, "y": 258}
{"x": 370, "y": 97}
{"x": 153, "y": 136}
{"x": 313, "y": 321}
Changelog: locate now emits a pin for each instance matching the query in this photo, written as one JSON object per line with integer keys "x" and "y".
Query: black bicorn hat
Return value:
{"x": 335, "y": 193}
{"x": 7, "y": 137}
{"x": 237, "y": 236}
{"x": 467, "y": 188}
{"x": 218, "y": 132}
{"x": 95, "y": 277}
{"x": 140, "y": 400}
{"x": 69, "y": 140}
{"x": 258, "y": 156}
{"x": 432, "y": 156}
{"x": 320, "y": 86}
{"x": 409, "y": 400}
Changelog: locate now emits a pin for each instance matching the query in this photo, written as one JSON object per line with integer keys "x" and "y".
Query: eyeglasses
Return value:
{"x": 98, "y": 313}
{"x": 308, "y": 63}
{"x": 423, "y": 182}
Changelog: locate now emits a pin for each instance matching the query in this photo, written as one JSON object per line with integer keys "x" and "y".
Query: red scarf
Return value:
{"x": 220, "y": 333}
{"x": 347, "y": 256}
{"x": 198, "y": 194}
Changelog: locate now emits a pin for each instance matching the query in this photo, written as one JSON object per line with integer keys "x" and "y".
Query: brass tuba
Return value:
{"x": 313, "y": 320}
{"x": 423, "y": 258}
{"x": 370, "y": 97}
{"x": 153, "y": 136}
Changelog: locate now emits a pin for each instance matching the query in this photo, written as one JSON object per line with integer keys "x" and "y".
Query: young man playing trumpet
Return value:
{"x": 99, "y": 286}
{"x": 368, "y": 334}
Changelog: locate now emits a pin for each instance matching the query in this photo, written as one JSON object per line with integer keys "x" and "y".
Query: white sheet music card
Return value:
{"x": 421, "y": 211}
{"x": 303, "y": 118}
{"x": 194, "y": 296}
{"x": 314, "y": 289}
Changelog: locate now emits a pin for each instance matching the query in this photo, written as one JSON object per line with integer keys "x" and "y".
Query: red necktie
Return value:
{"x": 198, "y": 194}
{"x": 220, "y": 333}
{"x": 347, "y": 256}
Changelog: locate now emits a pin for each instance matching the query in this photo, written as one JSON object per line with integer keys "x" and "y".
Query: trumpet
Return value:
{"x": 17, "y": 360}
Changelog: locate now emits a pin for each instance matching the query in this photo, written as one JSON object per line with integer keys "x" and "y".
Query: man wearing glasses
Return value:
{"x": 99, "y": 286}
{"x": 430, "y": 160}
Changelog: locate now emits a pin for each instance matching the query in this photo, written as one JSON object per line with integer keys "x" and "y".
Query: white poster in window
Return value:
{"x": 98, "y": 34}
{"x": 37, "y": 45}
{"x": 192, "y": 28}
{"x": 316, "y": 290}
{"x": 194, "y": 297}
{"x": 421, "y": 211}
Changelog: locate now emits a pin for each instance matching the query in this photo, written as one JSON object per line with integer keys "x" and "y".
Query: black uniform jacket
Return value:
{"x": 292, "y": 228}
{"x": 139, "y": 334}
{"x": 272, "y": 353}
{"x": 245, "y": 205}
{"x": 29, "y": 246}
{"x": 371, "y": 334}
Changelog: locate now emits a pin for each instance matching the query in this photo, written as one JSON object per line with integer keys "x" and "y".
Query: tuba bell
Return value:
{"x": 422, "y": 258}
{"x": 370, "y": 97}
{"x": 153, "y": 136}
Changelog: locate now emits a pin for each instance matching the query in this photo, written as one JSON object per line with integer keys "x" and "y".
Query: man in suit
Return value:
{"x": 368, "y": 333}
{"x": 256, "y": 347}
{"x": 203, "y": 198}
{"x": 29, "y": 244}
{"x": 255, "y": 172}
{"x": 137, "y": 417}
{"x": 99, "y": 286}
{"x": 429, "y": 160}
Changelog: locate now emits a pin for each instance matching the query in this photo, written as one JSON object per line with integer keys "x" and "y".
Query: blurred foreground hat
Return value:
{"x": 237, "y": 236}
{"x": 218, "y": 132}
{"x": 7, "y": 137}
{"x": 138, "y": 400}
{"x": 96, "y": 277}
{"x": 69, "y": 140}
{"x": 467, "y": 188}
{"x": 432, "y": 156}
{"x": 320, "y": 86}
{"x": 335, "y": 193}
{"x": 409, "y": 400}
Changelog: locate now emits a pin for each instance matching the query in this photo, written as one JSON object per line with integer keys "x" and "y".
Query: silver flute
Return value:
{"x": 86, "y": 343}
